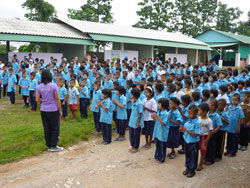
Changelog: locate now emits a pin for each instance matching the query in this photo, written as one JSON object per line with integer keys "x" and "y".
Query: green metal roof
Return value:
{"x": 131, "y": 40}
{"x": 35, "y": 38}
{"x": 220, "y": 44}
{"x": 241, "y": 38}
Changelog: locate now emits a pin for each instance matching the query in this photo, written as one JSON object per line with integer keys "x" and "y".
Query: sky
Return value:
{"x": 124, "y": 10}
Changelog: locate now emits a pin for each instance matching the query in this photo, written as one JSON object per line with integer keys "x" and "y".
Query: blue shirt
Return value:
{"x": 25, "y": 84}
{"x": 221, "y": 82}
{"x": 38, "y": 78}
{"x": 85, "y": 90}
{"x": 213, "y": 85}
{"x": 33, "y": 85}
{"x": 121, "y": 112}
{"x": 106, "y": 117}
{"x": 108, "y": 84}
{"x": 136, "y": 78}
{"x": 122, "y": 82}
{"x": 161, "y": 95}
{"x": 194, "y": 126}
{"x": 225, "y": 116}
{"x": 161, "y": 131}
{"x": 128, "y": 96}
{"x": 97, "y": 95}
{"x": 176, "y": 116}
{"x": 216, "y": 120}
{"x": 62, "y": 91}
{"x": 137, "y": 108}
{"x": 5, "y": 78}
{"x": 142, "y": 96}
{"x": 73, "y": 93}
{"x": 196, "y": 103}
{"x": 12, "y": 80}
{"x": 235, "y": 114}
{"x": 204, "y": 86}
{"x": 185, "y": 111}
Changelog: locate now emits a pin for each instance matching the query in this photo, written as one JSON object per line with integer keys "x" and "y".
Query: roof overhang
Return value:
{"x": 218, "y": 45}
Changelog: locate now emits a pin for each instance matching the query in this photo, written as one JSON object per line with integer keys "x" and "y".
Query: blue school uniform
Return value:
{"x": 235, "y": 114}
{"x": 136, "y": 78}
{"x": 203, "y": 68}
{"x": 142, "y": 97}
{"x": 86, "y": 91}
{"x": 221, "y": 82}
{"x": 137, "y": 108}
{"x": 198, "y": 89}
{"x": 128, "y": 97}
{"x": 225, "y": 116}
{"x": 159, "y": 96}
{"x": 12, "y": 80}
{"x": 241, "y": 93}
{"x": 161, "y": 131}
{"x": 122, "y": 82}
{"x": 121, "y": 112}
{"x": 33, "y": 85}
{"x": 108, "y": 84}
{"x": 196, "y": 103}
{"x": 213, "y": 85}
{"x": 62, "y": 91}
{"x": 25, "y": 84}
{"x": 205, "y": 86}
{"x": 194, "y": 126}
{"x": 216, "y": 120}
{"x": 215, "y": 68}
{"x": 106, "y": 117}
{"x": 97, "y": 95}
{"x": 38, "y": 78}
{"x": 5, "y": 78}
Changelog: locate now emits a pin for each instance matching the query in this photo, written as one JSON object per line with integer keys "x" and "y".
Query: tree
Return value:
{"x": 244, "y": 27}
{"x": 3, "y": 48}
{"x": 31, "y": 48}
{"x": 94, "y": 11}
{"x": 155, "y": 14}
{"x": 226, "y": 19}
{"x": 39, "y": 10}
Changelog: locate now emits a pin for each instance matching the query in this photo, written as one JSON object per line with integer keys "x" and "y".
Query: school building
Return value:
{"x": 71, "y": 37}
{"x": 228, "y": 49}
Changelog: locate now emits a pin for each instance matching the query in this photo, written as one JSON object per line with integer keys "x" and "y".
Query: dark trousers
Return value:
{"x": 26, "y": 100}
{"x": 211, "y": 148}
{"x": 0, "y": 90}
{"x": 51, "y": 125}
{"x": 160, "y": 150}
{"x": 106, "y": 132}
{"x": 114, "y": 118}
{"x": 244, "y": 131}
{"x": 84, "y": 107}
{"x": 182, "y": 141}
{"x": 33, "y": 102}
{"x": 4, "y": 90}
{"x": 220, "y": 144}
{"x": 128, "y": 115}
{"x": 64, "y": 109}
{"x": 232, "y": 143}
{"x": 121, "y": 126}
{"x": 134, "y": 137}
{"x": 191, "y": 156}
{"x": 12, "y": 97}
{"x": 96, "y": 121}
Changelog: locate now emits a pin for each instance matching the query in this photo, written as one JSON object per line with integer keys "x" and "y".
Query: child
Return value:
{"x": 175, "y": 119}
{"x": 213, "y": 93}
{"x": 205, "y": 96}
{"x": 73, "y": 98}
{"x": 197, "y": 86}
{"x": 206, "y": 131}
{"x": 212, "y": 81}
{"x": 141, "y": 88}
{"x": 188, "y": 90}
{"x": 12, "y": 81}
{"x": 159, "y": 91}
{"x": 84, "y": 98}
{"x": 178, "y": 93}
{"x": 108, "y": 84}
{"x": 4, "y": 80}
{"x": 223, "y": 95}
{"x": 171, "y": 90}
{"x": 217, "y": 125}
{"x": 195, "y": 98}
{"x": 121, "y": 113}
{"x": 63, "y": 98}
{"x": 106, "y": 113}
{"x": 32, "y": 88}
{"x": 97, "y": 95}
{"x": 245, "y": 125}
{"x": 150, "y": 107}
{"x": 191, "y": 134}
{"x": 129, "y": 85}
{"x": 24, "y": 84}
{"x": 136, "y": 121}
{"x": 204, "y": 85}
{"x": 161, "y": 130}
{"x": 236, "y": 115}
{"x": 222, "y": 132}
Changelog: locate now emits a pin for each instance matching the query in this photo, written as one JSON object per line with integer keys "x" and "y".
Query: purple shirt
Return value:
{"x": 48, "y": 97}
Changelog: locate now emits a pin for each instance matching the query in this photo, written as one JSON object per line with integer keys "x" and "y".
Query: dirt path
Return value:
{"x": 90, "y": 164}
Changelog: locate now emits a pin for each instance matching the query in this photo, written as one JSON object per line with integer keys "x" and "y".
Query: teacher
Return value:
{"x": 47, "y": 95}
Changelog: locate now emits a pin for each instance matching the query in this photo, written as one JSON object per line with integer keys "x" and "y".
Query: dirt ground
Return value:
{"x": 92, "y": 165}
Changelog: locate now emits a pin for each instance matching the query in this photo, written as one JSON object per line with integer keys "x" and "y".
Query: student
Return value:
{"x": 212, "y": 81}
{"x": 240, "y": 90}
{"x": 217, "y": 125}
{"x": 32, "y": 88}
{"x": 213, "y": 93}
{"x": 97, "y": 95}
{"x": 5, "y": 80}
{"x": 204, "y": 83}
{"x": 12, "y": 81}
{"x": 24, "y": 84}
{"x": 175, "y": 119}
{"x": 141, "y": 88}
{"x": 121, "y": 112}
{"x": 197, "y": 87}
{"x": 114, "y": 96}
{"x": 129, "y": 85}
{"x": 62, "y": 91}
{"x": 136, "y": 121}
{"x": 73, "y": 98}
{"x": 159, "y": 88}
{"x": 223, "y": 95}
{"x": 106, "y": 113}
{"x": 171, "y": 90}
{"x": 161, "y": 130}
{"x": 108, "y": 84}
{"x": 245, "y": 124}
{"x": 206, "y": 132}
{"x": 220, "y": 143}
{"x": 84, "y": 98}
{"x": 188, "y": 90}
{"x": 136, "y": 78}
{"x": 178, "y": 93}
{"x": 205, "y": 96}
{"x": 222, "y": 80}
{"x": 150, "y": 107}
{"x": 191, "y": 132}
{"x": 236, "y": 115}
{"x": 195, "y": 98}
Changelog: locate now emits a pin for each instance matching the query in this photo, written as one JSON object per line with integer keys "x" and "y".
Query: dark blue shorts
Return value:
{"x": 148, "y": 128}
{"x": 173, "y": 137}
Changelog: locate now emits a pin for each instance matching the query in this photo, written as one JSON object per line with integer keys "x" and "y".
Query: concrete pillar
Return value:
{"x": 122, "y": 46}
{"x": 237, "y": 60}
{"x": 248, "y": 59}
{"x": 84, "y": 50}
{"x": 37, "y": 47}
{"x": 196, "y": 57}
{"x": 7, "y": 46}
{"x": 152, "y": 52}
{"x": 176, "y": 50}
{"x": 220, "y": 63}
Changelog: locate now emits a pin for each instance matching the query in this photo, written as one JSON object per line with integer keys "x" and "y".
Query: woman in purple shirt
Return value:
{"x": 47, "y": 95}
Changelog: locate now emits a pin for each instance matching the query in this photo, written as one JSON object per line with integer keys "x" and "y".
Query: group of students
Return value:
{"x": 172, "y": 104}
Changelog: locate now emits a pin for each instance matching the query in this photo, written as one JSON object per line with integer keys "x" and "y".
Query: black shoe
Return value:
{"x": 153, "y": 141}
{"x": 181, "y": 151}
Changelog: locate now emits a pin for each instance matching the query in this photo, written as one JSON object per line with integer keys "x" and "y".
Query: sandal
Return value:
{"x": 190, "y": 175}
{"x": 199, "y": 168}
{"x": 185, "y": 172}
{"x": 172, "y": 156}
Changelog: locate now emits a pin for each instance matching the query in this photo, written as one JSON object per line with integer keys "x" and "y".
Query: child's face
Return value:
{"x": 172, "y": 105}
{"x": 235, "y": 100}
{"x": 104, "y": 96}
{"x": 96, "y": 87}
{"x": 117, "y": 93}
{"x": 221, "y": 76}
{"x": 240, "y": 86}
{"x": 24, "y": 75}
{"x": 83, "y": 82}
{"x": 196, "y": 84}
{"x": 201, "y": 112}
{"x": 160, "y": 106}
{"x": 211, "y": 79}
{"x": 192, "y": 114}
{"x": 221, "y": 106}
{"x": 108, "y": 76}
{"x": 11, "y": 72}
{"x": 147, "y": 93}
{"x": 245, "y": 99}
{"x": 211, "y": 95}
{"x": 71, "y": 84}
{"x": 136, "y": 73}
{"x": 32, "y": 77}
{"x": 36, "y": 69}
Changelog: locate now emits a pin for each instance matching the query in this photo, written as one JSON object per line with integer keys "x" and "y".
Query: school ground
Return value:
{"x": 92, "y": 165}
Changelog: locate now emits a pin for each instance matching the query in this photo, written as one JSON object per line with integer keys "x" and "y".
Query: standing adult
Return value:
{"x": 47, "y": 95}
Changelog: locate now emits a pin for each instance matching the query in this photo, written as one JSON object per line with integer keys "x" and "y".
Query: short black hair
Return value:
{"x": 159, "y": 87}
{"x": 178, "y": 83}
{"x": 237, "y": 95}
{"x": 46, "y": 77}
{"x": 196, "y": 95}
{"x": 241, "y": 82}
{"x": 136, "y": 92}
{"x": 121, "y": 90}
{"x": 197, "y": 80}
{"x": 214, "y": 103}
{"x": 186, "y": 99}
{"x": 248, "y": 83}
{"x": 224, "y": 88}
{"x": 171, "y": 88}
{"x": 247, "y": 93}
{"x": 193, "y": 108}
{"x": 223, "y": 101}
{"x": 129, "y": 83}
{"x": 141, "y": 87}
{"x": 206, "y": 93}
{"x": 116, "y": 83}
{"x": 214, "y": 77}
{"x": 188, "y": 82}
{"x": 175, "y": 100}
{"x": 106, "y": 92}
{"x": 204, "y": 107}
{"x": 205, "y": 78}
{"x": 33, "y": 74}
{"x": 164, "y": 103}
{"x": 214, "y": 92}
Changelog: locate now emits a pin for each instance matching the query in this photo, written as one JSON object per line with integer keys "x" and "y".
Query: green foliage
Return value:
{"x": 94, "y": 11}
{"x": 155, "y": 14}
{"x": 39, "y": 10}
{"x": 227, "y": 18}
{"x": 31, "y": 48}
{"x": 244, "y": 27}
{"x": 3, "y": 48}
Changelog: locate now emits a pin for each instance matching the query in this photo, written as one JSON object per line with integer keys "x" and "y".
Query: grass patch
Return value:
{"x": 22, "y": 133}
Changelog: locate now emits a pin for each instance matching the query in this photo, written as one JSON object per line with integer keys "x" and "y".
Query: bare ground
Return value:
{"x": 90, "y": 164}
